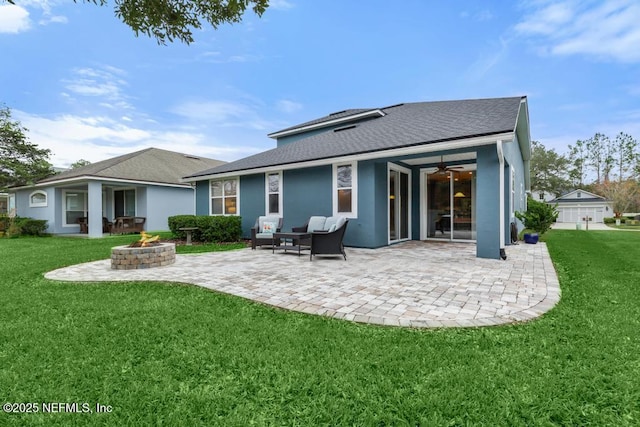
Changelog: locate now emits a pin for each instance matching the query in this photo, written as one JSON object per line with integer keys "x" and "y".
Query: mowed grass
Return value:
{"x": 170, "y": 354}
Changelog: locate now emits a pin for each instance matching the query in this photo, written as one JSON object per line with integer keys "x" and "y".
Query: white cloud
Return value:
{"x": 288, "y": 106}
{"x": 280, "y": 4}
{"x": 607, "y": 30}
{"x": 57, "y": 19}
{"x": 14, "y": 19}
{"x": 95, "y": 138}
{"x": 106, "y": 82}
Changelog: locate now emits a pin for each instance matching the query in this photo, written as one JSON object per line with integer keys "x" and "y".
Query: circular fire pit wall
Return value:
{"x": 126, "y": 258}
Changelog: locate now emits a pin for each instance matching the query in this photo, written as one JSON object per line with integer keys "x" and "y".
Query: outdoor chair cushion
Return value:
{"x": 271, "y": 223}
{"x": 334, "y": 222}
{"x": 316, "y": 223}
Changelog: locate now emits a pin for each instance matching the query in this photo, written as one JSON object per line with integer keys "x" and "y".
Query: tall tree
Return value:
{"x": 626, "y": 148}
{"x": 166, "y": 20}
{"x": 21, "y": 162}
{"x": 597, "y": 155}
{"x": 548, "y": 170}
{"x": 577, "y": 163}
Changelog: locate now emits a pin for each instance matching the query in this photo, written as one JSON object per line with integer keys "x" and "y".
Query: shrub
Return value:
{"x": 613, "y": 220}
{"x": 14, "y": 227}
{"x": 539, "y": 216}
{"x": 31, "y": 227}
{"x": 210, "y": 228}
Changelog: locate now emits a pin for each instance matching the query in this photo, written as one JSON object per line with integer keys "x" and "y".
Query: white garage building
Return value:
{"x": 578, "y": 204}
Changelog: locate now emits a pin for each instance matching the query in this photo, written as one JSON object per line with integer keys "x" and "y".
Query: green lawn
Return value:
{"x": 162, "y": 354}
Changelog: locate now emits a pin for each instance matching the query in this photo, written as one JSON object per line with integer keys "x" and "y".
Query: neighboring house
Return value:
{"x": 578, "y": 204}
{"x": 449, "y": 170}
{"x": 145, "y": 183}
{"x": 542, "y": 196}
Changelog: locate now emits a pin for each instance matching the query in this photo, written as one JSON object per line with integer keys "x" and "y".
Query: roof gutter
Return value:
{"x": 500, "y": 151}
{"x": 97, "y": 178}
{"x": 396, "y": 152}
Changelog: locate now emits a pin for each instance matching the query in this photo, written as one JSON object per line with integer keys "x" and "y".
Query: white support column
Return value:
{"x": 94, "y": 206}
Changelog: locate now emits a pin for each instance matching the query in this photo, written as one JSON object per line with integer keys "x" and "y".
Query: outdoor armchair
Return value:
{"x": 327, "y": 235}
{"x": 262, "y": 231}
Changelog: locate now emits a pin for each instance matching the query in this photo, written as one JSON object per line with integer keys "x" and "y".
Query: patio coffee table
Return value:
{"x": 289, "y": 240}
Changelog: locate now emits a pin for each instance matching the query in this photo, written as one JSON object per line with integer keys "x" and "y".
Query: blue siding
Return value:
{"x": 202, "y": 198}
{"x": 163, "y": 202}
{"x": 306, "y": 192}
{"x": 488, "y": 203}
{"x": 293, "y": 138}
{"x": 369, "y": 230}
{"x": 252, "y": 201}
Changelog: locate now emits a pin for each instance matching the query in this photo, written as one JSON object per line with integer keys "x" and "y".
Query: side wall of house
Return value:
{"x": 162, "y": 202}
{"x": 513, "y": 158}
{"x": 41, "y": 212}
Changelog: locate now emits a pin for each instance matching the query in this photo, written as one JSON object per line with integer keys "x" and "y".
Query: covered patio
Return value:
{"x": 411, "y": 284}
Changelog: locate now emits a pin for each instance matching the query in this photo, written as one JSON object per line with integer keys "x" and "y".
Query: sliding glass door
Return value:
{"x": 451, "y": 205}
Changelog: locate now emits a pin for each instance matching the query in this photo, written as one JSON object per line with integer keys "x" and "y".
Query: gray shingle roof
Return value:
{"x": 403, "y": 125}
{"x": 332, "y": 116}
{"x": 150, "y": 165}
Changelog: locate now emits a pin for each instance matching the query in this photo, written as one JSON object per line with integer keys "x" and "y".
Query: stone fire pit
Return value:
{"x": 128, "y": 258}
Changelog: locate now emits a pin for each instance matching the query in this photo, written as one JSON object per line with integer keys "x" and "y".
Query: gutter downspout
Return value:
{"x": 503, "y": 254}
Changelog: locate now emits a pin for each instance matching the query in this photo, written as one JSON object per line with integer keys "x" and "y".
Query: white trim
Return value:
{"x": 395, "y": 152}
{"x": 39, "y": 204}
{"x": 397, "y": 168}
{"x": 237, "y": 179}
{"x": 64, "y": 205}
{"x": 104, "y": 180}
{"x": 376, "y": 112}
{"x": 512, "y": 193}
{"x": 267, "y": 193}
{"x": 354, "y": 189}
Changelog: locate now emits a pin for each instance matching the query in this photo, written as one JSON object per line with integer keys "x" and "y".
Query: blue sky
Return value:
{"x": 86, "y": 87}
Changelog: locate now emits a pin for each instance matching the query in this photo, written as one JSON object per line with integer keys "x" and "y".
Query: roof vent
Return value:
{"x": 339, "y": 112}
{"x": 188, "y": 156}
{"x": 344, "y": 128}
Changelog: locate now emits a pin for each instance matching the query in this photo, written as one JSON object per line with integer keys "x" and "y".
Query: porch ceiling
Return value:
{"x": 459, "y": 157}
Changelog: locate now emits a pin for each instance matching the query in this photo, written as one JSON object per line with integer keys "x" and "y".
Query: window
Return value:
{"x": 541, "y": 196}
{"x": 75, "y": 206}
{"x": 224, "y": 197}
{"x": 274, "y": 193}
{"x": 38, "y": 199}
{"x": 578, "y": 194}
{"x": 124, "y": 203}
{"x": 345, "y": 192}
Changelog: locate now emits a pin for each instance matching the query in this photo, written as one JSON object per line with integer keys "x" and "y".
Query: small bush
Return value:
{"x": 14, "y": 227}
{"x": 539, "y": 216}
{"x": 210, "y": 228}
{"x": 613, "y": 220}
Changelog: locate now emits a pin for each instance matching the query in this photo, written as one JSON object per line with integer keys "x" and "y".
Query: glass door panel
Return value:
{"x": 464, "y": 220}
{"x": 439, "y": 205}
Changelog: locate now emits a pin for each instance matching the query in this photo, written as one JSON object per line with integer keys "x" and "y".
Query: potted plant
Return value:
{"x": 539, "y": 218}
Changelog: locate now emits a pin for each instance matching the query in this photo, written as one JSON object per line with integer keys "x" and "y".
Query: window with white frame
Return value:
{"x": 224, "y": 197}
{"x": 345, "y": 194}
{"x": 74, "y": 207}
{"x": 274, "y": 193}
{"x": 124, "y": 202}
{"x": 38, "y": 199}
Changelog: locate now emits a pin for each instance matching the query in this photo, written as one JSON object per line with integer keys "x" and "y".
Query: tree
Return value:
{"x": 624, "y": 195}
{"x": 548, "y": 170}
{"x": 577, "y": 159}
{"x": 597, "y": 155}
{"x": 166, "y": 20}
{"x": 80, "y": 163}
{"x": 20, "y": 161}
{"x": 625, "y": 150}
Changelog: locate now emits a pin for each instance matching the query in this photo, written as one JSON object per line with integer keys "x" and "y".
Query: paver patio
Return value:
{"x": 412, "y": 284}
